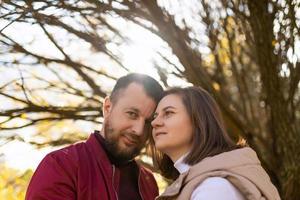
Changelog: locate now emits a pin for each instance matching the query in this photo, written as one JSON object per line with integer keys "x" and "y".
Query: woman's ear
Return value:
{"x": 107, "y": 105}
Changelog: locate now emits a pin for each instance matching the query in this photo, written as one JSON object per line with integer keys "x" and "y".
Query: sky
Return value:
{"x": 138, "y": 55}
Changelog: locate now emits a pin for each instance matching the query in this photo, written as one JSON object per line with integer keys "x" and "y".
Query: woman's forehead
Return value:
{"x": 173, "y": 100}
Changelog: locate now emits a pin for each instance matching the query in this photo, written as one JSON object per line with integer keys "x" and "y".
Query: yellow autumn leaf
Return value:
{"x": 23, "y": 116}
{"x": 216, "y": 86}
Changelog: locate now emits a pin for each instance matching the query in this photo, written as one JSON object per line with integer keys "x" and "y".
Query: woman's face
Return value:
{"x": 172, "y": 127}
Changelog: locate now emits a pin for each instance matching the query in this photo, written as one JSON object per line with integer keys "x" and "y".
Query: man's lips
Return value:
{"x": 129, "y": 140}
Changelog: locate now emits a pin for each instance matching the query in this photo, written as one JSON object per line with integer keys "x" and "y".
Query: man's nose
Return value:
{"x": 138, "y": 127}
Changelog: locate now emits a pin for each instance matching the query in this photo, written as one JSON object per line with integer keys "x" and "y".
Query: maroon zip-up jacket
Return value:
{"x": 83, "y": 172}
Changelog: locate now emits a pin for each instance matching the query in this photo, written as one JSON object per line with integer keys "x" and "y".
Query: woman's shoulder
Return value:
{"x": 216, "y": 188}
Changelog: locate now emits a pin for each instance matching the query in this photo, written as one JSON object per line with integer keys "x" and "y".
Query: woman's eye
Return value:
{"x": 168, "y": 113}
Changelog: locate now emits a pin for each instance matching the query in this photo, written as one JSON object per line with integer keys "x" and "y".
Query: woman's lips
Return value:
{"x": 159, "y": 133}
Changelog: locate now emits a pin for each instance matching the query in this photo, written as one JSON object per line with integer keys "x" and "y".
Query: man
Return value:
{"x": 103, "y": 167}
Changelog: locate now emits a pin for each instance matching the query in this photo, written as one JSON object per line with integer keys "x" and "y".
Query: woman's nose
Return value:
{"x": 156, "y": 122}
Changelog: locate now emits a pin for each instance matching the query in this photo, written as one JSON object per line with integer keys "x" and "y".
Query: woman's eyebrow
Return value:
{"x": 166, "y": 108}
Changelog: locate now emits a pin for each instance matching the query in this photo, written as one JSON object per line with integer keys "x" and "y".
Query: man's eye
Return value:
{"x": 132, "y": 115}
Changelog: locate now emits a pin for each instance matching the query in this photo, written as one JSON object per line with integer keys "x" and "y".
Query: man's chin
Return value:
{"x": 123, "y": 158}
{"x": 127, "y": 152}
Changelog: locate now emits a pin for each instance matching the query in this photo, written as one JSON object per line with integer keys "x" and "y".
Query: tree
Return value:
{"x": 243, "y": 52}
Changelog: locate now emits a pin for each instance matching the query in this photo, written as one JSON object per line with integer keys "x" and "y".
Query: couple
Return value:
{"x": 184, "y": 130}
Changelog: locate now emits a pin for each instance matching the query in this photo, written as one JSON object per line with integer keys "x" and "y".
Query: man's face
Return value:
{"x": 125, "y": 122}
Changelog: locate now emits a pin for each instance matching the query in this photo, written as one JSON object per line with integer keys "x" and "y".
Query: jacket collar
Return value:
{"x": 180, "y": 165}
{"x": 100, "y": 154}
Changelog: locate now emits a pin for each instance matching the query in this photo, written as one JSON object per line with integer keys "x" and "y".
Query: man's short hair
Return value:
{"x": 152, "y": 88}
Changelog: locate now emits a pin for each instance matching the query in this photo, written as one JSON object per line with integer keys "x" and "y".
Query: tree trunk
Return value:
{"x": 281, "y": 124}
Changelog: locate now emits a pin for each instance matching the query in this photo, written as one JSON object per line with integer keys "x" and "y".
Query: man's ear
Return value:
{"x": 107, "y": 106}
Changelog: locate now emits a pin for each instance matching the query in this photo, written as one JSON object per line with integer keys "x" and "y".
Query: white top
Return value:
{"x": 213, "y": 188}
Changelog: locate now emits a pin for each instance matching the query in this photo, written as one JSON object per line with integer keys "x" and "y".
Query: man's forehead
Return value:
{"x": 134, "y": 91}
{"x": 141, "y": 107}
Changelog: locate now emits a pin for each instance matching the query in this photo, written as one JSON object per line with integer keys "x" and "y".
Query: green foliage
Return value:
{"x": 13, "y": 183}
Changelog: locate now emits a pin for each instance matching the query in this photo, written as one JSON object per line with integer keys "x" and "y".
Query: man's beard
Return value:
{"x": 112, "y": 138}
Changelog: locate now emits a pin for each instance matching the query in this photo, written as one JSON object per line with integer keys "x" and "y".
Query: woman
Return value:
{"x": 189, "y": 134}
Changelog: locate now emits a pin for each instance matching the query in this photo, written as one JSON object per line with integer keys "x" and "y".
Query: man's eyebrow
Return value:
{"x": 134, "y": 109}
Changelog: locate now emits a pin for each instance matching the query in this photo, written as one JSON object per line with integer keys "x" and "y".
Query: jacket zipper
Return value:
{"x": 113, "y": 181}
{"x": 139, "y": 184}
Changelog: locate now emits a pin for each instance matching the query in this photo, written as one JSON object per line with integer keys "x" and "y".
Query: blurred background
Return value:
{"x": 60, "y": 58}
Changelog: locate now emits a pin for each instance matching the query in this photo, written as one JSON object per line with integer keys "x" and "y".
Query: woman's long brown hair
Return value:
{"x": 210, "y": 136}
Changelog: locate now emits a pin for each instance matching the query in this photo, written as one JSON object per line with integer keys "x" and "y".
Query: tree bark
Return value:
{"x": 286, "y": 138}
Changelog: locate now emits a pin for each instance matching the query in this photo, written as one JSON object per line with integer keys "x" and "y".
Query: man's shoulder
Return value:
{"x": 56, "y": 174}
{"x": 68, "y": 153}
